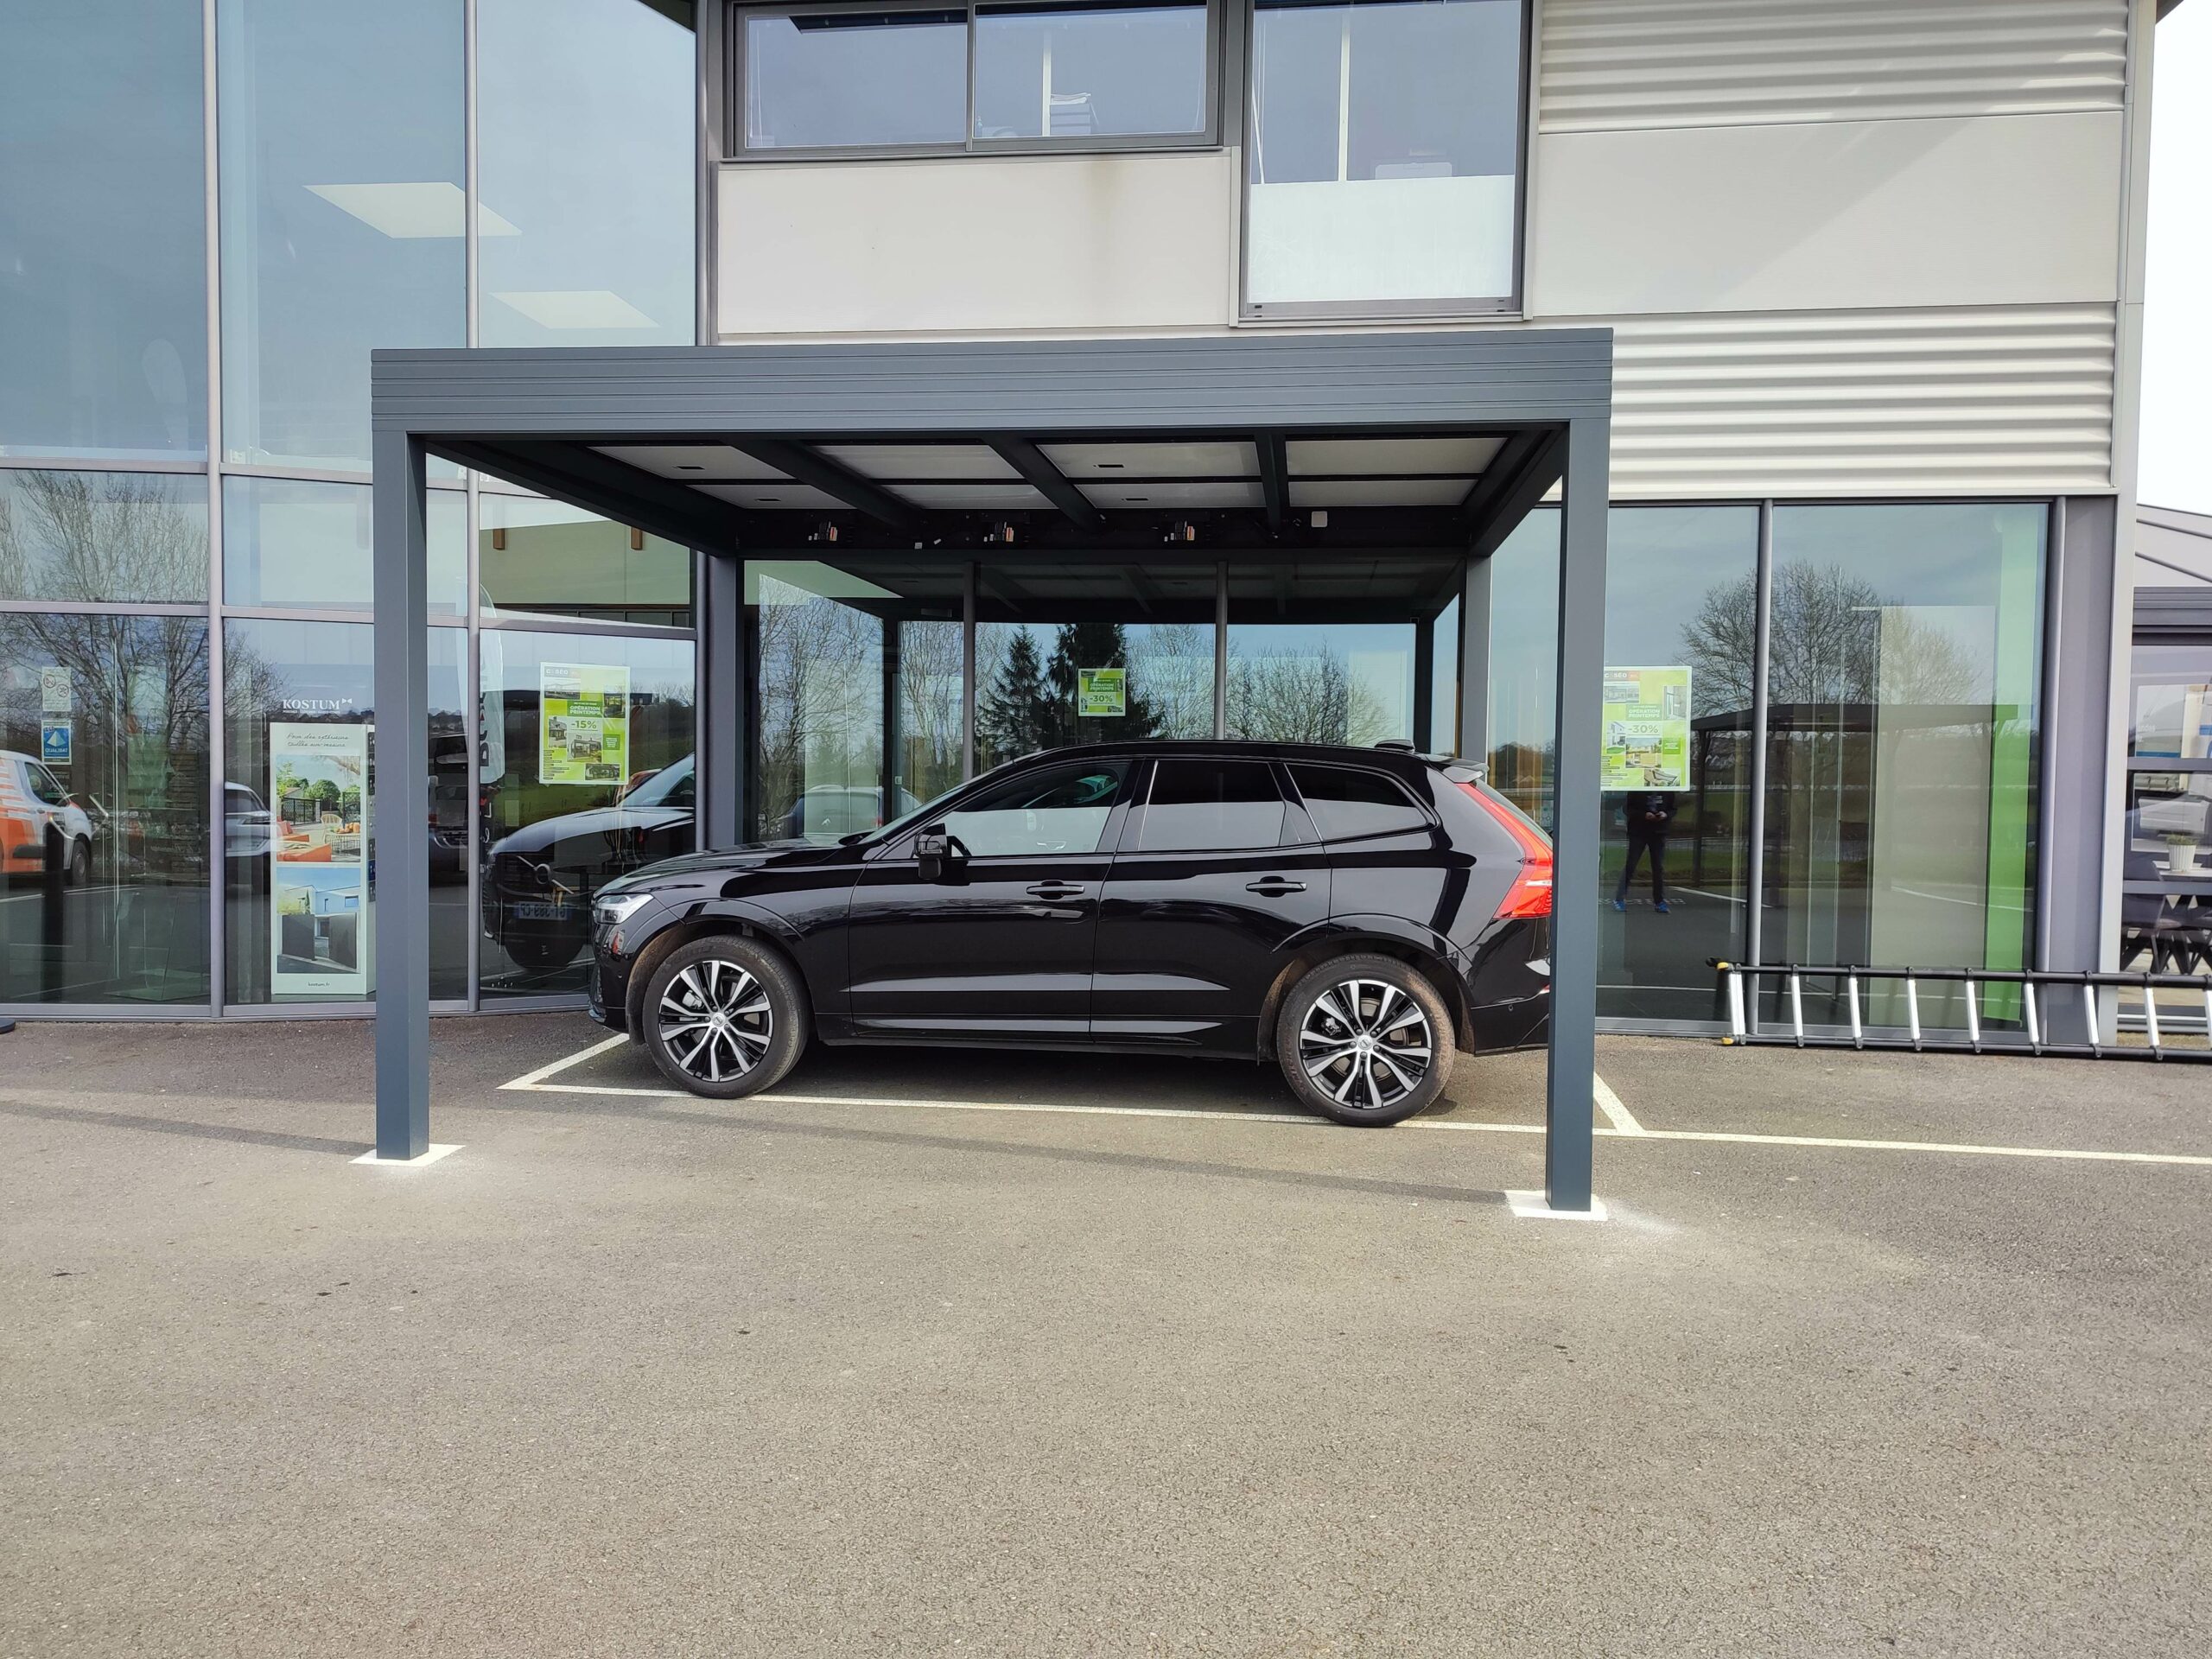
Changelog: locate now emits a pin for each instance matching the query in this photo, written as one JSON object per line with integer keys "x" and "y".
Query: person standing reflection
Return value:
{"x": 1647, "y": 817}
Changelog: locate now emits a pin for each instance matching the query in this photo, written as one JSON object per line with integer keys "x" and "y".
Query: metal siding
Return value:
{"x": 1617, "y": 64}
{"x": 1982, "y": 401}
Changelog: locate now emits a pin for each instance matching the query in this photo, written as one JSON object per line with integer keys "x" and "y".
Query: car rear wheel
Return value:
{"x": 725, "y": 1017}
{"x": 1365, "y": 1040}
{"x": 80, "y": 863}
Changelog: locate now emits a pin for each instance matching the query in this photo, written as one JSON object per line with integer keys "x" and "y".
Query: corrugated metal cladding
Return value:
{"x": 1615, "y": 64}
{"x": 1967, "y": 401}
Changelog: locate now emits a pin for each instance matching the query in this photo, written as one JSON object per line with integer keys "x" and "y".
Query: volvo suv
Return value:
{"x": 1354, "y": 916}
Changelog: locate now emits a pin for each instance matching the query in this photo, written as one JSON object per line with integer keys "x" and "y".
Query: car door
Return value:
{"x": 1216, "y": 873}
{"x": 1000, "y": 943}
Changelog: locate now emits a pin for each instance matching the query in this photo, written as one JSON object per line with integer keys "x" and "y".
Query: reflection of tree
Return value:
{"x": 101, "y": 538}
{"x": 1014, "y": 714}
{"x": 1173, "y": 663}
{"x": 1095, "y": 644}
{"x": 1303, "y": 694}
{"x": 1832, "y": 639}
{"x": 929, "y": 707}
{"x": 821, "y": 696}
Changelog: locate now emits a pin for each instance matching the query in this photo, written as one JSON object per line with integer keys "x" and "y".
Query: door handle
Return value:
{"x": 1057, "y": 890}
{"x": 1274, "y": 886}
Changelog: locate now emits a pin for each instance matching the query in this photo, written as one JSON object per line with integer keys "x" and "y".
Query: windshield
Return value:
{"x": 902, "y": 820}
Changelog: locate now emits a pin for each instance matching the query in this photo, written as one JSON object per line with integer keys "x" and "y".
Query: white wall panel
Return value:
{"x": 2023, "y": 210}
{"x": 1615, "y": 64}
{"x": 1965, "y": 402}
{"x": 972, "y": 245}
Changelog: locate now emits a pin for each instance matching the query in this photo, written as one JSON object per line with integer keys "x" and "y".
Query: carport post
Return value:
{"x": 1576, "y": 775}
{"x": 401, "y": 802}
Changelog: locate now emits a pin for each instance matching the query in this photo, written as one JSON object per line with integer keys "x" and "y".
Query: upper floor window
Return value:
{"x": 1077, "y": 74}
{"x": 1383, "y": 155}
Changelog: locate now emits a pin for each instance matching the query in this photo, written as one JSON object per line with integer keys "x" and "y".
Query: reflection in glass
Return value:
{"x": 1901, "y": 770}
{"x": 585, "y": 137}
{"x": 1091, "y": 70}
{"x": 1677, "y": 579}
{"x": 570, "y": 796}
{"x": 2166, "y": 899}
{"x": 292, "y": 544}
{"x": 102, "y": 808}
{"x": 299, "y": 708}
{"x": 1324, "y": 650}
{"x": 103, "y": 538}
{"x": 828, "y": 79}
{"x": 547, "y": 558}
{"x": 1524, "y": 665}
{"x": 341, "y": 213}
{"x": 1382, "y": 150}
{"x": 103, "y": 245}
{"x": 1040, "y": 627}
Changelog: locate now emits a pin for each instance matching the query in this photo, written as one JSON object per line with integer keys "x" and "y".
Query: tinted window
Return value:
{"x": 1211, "y": 806}
{"x": 1344, "y": 801}
{"x": 815, "y": 79}
{"x": 1060, "y": 811}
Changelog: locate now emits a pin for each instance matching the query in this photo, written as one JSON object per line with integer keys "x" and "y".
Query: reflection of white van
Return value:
{"x": 31, "y": 798}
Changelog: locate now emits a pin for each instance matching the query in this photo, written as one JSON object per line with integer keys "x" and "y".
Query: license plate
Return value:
{"x": 532, "y": 910}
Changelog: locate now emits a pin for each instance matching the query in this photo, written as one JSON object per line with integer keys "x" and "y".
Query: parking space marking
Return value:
{"x": 1622, "y": 1124}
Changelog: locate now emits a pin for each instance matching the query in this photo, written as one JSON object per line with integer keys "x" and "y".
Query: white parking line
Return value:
{"x": 1623, "y": 1125}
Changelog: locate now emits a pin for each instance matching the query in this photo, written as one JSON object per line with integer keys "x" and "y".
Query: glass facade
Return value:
{"x": 338, "y": 212}
{"x": 2166, "y": 881}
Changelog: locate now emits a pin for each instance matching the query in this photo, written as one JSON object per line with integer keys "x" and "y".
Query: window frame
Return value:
{"x": 735, "y": 150}
{"x": 1496, "y": 306}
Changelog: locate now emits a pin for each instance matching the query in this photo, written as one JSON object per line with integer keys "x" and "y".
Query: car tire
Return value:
{"x": 765, "y": 1018}
{"x": 79, "y": 872}
{"x": 1364, "y": 1040}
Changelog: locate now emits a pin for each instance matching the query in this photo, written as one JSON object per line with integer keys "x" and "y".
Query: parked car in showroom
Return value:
{"x": 538, "y": 881}
{"x": 32, "y": 802}
{"x": 1356, "y": 916}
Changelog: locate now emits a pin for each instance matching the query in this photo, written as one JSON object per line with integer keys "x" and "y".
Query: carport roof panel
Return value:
{"x": 1286, "y": 383}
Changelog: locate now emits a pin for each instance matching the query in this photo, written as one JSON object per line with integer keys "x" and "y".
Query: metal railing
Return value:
{"x": 2041, "y": 995}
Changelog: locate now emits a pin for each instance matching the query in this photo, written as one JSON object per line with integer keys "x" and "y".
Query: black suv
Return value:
{"x": 1353, "y": 914}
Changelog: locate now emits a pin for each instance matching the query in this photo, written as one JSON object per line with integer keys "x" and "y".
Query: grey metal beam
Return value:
{"x": 584, "y": 478}
{"x": 2078, "y": 606}
{"x": 1049, "y": 481}
{"x": 1504, "y": 495}
{"x": 1424, "y": 680}
{"x": 840, "y": 482}
{"x": 1474, "y": 664}
{"x": 1274, "y": 476}
{"x": 1567, "y": 1133}
{"x": 723, "y": 689}
{"x": 401, "y": 802}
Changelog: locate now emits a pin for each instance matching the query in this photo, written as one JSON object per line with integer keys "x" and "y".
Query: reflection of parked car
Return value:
{"x": 828, "y": 810}
{"x": 538, "y": 880}
{"x": 31, "y": 800}
{"x": 245, "y": 823}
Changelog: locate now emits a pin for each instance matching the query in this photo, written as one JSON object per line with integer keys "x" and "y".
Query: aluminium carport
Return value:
{"x": 620, "y": 431}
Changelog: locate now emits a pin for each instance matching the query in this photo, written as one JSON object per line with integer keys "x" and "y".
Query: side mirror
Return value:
{"x": 934, "y": 852}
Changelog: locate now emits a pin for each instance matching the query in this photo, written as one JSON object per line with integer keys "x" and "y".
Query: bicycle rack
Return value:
{"x": 2033, "y": 1037}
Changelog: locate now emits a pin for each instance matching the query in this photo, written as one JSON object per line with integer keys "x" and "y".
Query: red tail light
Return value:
{"x": 1531, "y": 892}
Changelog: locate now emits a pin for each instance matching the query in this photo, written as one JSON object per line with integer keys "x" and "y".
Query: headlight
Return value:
{"x": 618, "y": 908}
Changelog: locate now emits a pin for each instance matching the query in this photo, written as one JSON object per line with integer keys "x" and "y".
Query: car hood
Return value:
{"x": 535, "y": 840}
{"x": 735, "y": 860}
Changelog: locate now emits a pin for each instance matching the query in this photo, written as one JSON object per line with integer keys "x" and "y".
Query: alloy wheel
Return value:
{"x": 716, "y": 1021}
{"x": 1366, "y": 1043}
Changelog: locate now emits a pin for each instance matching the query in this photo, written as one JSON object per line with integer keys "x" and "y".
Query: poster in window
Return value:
{"x": 584, "y": 724}
{"x": 318, "y": 859}
{"x": 1647, "y": 728}
{"x": 1101, "y": 693}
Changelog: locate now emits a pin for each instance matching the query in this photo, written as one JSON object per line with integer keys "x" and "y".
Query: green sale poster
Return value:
{"x": 584, "y": 724}
{"x": 1647, "y": 735}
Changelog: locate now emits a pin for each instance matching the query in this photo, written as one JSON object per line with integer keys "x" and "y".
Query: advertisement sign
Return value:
{"x": 584, "y": 724}
{"x": 1101, "y": 693}
{"x": 1647, "y": 728}
{"x": 54, "y": 741}
{"x": 53, "y": 690}
{"x": 318, "y": 859}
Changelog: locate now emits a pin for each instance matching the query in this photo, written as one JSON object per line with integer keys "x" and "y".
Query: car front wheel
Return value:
{"x": 1365, "y": 1040}
{"x": 724, "y": 1017}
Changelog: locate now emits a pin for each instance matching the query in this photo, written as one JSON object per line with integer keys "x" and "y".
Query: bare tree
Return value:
{"x": 1303, "y": 696}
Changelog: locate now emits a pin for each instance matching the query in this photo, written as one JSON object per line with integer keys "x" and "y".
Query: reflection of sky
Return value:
{"x": 1932, "y": 553}
{"x": 324, "y": 878}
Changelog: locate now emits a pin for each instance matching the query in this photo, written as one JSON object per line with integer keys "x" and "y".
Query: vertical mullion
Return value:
{"x": 218, "y": 749}
{"x": 1221, "y": 650}
{"x": 1755, "y": 861}
{"x": 472, "y": 706}
{"x": 968, "y": 132}
{"x": 968, "y": 671}
{"x": 2054, "y": 645}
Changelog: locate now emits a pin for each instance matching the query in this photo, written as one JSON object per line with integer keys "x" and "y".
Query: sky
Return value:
{"x": 2175, "y": 469}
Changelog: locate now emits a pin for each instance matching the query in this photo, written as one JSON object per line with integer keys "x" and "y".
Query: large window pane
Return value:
{"x": 1523, "y": 666}
{"x": 840, "y": 77}
{"x": 291, "y": 544}
{"x": 342, "y": 213}
{"x": 586, "y": 752}
{"x": 1094, "y": 70}
{"x": 546, "y": 558}
{"x": 1323, "y": 651}
{"x": 300, "y": 715}
{"x": 102, "y": 808}
{"x": 103, "y": 537}
{"x": 1674, "y": 823}
{"x": 1044, "y": 632}
{"x": 103, "y": 243}
{"x": 1382, "y": 150}
{"x": 586, "y": 146}
{"x": 1901, "y": 770}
